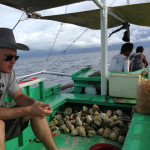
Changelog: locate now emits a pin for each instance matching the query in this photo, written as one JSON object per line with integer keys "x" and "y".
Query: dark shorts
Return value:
{"x": 14, "y": 127}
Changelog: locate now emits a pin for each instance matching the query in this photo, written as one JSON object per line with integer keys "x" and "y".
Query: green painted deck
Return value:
{"x": 137, "y": 139}
{"x": 138, "y": 135}
{"x": 67, "y": 142}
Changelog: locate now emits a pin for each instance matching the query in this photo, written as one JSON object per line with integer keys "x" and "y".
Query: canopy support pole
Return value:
{"x": 104, "y": 47}
{"x": 128, "y": 2}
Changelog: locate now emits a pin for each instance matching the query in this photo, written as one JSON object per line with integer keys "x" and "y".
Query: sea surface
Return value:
{"x": 62, "y": 64}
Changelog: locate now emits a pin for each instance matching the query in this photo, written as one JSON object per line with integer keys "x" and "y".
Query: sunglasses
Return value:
{"x": 10, "y": 57}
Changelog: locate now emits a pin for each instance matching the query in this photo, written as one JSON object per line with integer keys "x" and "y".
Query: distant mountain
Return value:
{"x": 42, "y": 53}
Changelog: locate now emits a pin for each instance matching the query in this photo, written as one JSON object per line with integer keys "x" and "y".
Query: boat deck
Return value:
{"x": 137, "y": 138}
{"x": 138, "y": 134}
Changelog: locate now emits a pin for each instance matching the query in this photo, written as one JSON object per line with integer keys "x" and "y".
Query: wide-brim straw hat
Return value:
{"x": 7, "y": 40}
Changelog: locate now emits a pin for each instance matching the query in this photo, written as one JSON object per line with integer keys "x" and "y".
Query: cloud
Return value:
{"x": 41, "y": 34}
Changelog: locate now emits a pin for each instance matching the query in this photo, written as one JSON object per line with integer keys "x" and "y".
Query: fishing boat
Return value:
{"x": 117, "y": 90}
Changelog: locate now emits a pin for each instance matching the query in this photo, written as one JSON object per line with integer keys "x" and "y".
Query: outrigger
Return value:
{"x": 115, "y": 92}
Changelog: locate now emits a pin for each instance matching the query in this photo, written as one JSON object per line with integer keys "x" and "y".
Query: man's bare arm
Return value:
{"x": 29, "y": 107}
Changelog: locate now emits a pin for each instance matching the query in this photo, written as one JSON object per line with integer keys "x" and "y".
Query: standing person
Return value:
{"x": 121, "y": 62}
{"x": 14, "y": 120}
{"x": 138, "y": 60}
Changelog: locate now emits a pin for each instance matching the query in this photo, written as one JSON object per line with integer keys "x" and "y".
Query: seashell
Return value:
{"x": 78, "y": 123}
{"x": 71, "y": 127}
{"x": 74, "y": 132}
{"x": 62, "y": 127}
{"x": 96, "y": 113}
{"x": 119, "y": 123}
{"x": 115, "y": 112}
{"x": 103, "y": 115}
{"x": 106, "y": 133}
{"x": 61, "y": 122}
{"x": 114, "y": 118}
{"x": 67, "y": 112}
{"x": 65, "y": 118}
{"x": 95, "y": 108}
{"x": 53, "y": 128}
{"x": 58, "y": 117}
{"x": 113, "y": 136}
{"x": 82, "y": 118}
{"x": 89, "y": 119}
{"x": 84, "y": 124}
{"x": 78, "y": 114}
{"x": 91, "y": 133}
{"x": 77, "y": 118}
{"x": 109, "y": 113}
{"x": 87, "y": 128}
{"x": 66, "y": 130}
{"x": 105, "y": 118}
{"x": 81, "y": 131}
{"x": 97, "y": 120}
{"x": 73, "y": 121}
{"x": 101, "y": 131}
{"x": 72, "y": 116}
{"x": 121, "y": 139}
{"x": 55, "y": 121}
{"x": 68, "y": 123}
{"x": 51, "y": 124}
{"x": 120, "y": 113}
{"x": 117, "y": 130}
{"x": 85, "y": 109}
{"x": 90, "y": 112}
{"x": 112, "y": 124}
{"x": 57, "y": 128}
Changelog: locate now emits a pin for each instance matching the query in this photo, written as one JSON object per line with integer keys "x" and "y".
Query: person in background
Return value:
{"x": 121, "y": 62}
{"x": 138, "y": 59}
{"x": 13, "y": 120}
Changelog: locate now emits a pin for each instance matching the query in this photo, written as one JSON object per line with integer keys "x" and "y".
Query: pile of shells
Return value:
{"x": 95, "y": 74}
{"x": 110, "y": 124}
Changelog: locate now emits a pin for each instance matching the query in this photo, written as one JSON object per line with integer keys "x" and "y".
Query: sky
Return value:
{"x": 41, "y": 34}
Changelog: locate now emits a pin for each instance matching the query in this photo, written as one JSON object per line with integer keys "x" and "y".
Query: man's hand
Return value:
{"x": 40, "y": 109}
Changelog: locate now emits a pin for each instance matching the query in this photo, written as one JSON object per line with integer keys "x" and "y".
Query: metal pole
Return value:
{"x": 128, "y": 2}
{"x": 98, "y": 3}
{"x": 104, "y": 49}
{"x": 31, "y": 74}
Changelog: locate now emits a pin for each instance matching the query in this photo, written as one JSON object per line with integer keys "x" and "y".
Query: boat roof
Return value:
{"x": 37, "y": 5}
{"x": 134, "y": 14}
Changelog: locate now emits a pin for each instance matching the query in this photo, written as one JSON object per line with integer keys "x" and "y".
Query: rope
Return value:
{"x": 112, "y": 3}
{"x": 64, "y": 51}
{"x": 61, "y": 25}
{"x": 18, "y": 21}
{"x": 54, "y": 43}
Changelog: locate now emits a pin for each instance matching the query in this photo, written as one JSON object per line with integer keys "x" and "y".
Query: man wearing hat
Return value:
{"x": 15, "y": 119}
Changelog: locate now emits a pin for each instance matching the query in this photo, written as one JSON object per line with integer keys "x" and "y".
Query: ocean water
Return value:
{"x": 65, "y": 64}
